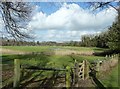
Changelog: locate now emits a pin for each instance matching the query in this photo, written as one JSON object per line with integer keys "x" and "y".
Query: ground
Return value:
{"x": 44, "y": 56}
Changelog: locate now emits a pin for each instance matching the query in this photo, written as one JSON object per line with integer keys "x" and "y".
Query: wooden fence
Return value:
{"x": 80, "y": 71}
{"x": 17, "y": 72}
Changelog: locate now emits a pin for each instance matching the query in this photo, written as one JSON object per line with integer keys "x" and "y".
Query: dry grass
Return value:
{"x": 69, "y": 52}
{"x": 9, "y": 51}
{"x": 107, "y": 65}
{"x": 56, "y": 52}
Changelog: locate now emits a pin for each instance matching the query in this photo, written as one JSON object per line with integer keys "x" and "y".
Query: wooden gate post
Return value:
{"x": 68, "y": 78}
{"x": 76, "y": 68}
{"x": 83, "y": 69}
{"x": 16, "y": 73}
{"x": 98, "y": 68}
{"x": 86, "y": 69}
{"x": 106, "y": 57}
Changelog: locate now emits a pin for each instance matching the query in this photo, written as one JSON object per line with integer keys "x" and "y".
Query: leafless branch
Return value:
{"x": 15, "y": 16}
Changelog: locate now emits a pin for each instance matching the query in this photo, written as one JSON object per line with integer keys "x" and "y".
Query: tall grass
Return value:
{"x": 111, "y": 79}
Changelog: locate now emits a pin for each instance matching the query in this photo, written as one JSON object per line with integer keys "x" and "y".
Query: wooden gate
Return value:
{"x": 82, "y": 70}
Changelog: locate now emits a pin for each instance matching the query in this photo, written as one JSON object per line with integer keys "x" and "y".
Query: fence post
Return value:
{"x": 16, "y": 73}
{"x": 76, "y": 73}
{"x": 112, "y": 57}
{"x": 87, "y": 69}
{"x": 68, "y": 77}
{"x": 83, "y": 69}
{"x": 98, "y": 68}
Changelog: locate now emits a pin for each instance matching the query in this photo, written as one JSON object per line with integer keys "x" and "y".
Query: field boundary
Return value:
{"x": 81, "y": 71}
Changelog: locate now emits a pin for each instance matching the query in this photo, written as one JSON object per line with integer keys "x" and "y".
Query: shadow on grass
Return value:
{"x": 29, "y": 76}
{"x": 97, "y": 82}
{"x": 106, "y": 52}
{"x": 45, "y": 82}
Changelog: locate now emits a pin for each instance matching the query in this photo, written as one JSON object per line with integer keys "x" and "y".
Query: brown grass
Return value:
{"x": 69, "y": 52}
{"x": 9, "y": 51}
{"x": 107, "y": 65}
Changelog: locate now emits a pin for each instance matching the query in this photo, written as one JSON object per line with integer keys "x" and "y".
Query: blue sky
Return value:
{"x": 50, "y": 7}
{"x": 68, "y": 21}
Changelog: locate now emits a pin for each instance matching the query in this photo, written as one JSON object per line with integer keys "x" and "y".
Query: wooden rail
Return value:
{"x": 41, "y": 68}
{"x": 17, "y": 73}
{"x": 96, "y": 80}
{"x": 80, "y": 71}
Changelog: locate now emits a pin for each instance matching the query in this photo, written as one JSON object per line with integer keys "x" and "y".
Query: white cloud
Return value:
{"x": 63, "y": 35}
{"x": 73, "y": 17}
{"x": 70, "y": 22}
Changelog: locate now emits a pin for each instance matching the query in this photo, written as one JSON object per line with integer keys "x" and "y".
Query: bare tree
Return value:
{"x": 97, "y": 5}
{"x": 15, "y": 16}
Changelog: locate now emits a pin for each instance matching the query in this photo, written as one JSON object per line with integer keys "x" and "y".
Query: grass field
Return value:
{"x": 51, "y": 58}
{"x": 111, "y": 79}
{"x": 43, "y": 60}
{"x": 46, "y": 48}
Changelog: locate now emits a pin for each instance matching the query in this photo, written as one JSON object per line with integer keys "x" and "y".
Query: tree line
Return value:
{"x": 108, "y": 39}
{"x": 13, "y": 42}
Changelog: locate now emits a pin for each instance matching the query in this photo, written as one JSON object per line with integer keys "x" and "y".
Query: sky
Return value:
{"x": 68, "y": 21}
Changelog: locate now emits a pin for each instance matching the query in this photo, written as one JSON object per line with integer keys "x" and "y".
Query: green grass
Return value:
{"x": 111, "y": 79}
{"x": 46, "y": 48}
{"x": 45, "y": 60}
{"x": 89, "y": 58}
{"x": 58, "y": 60}
{"x": 28, "y": 48}
{"x": 42, "y": 60}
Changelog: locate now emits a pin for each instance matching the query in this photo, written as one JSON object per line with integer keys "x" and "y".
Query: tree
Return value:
{"x": 108, "y": 4}
{"x": 38, "y": 43}
{"x": 114, "y": 35}
{"x": 15, "y": 16}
